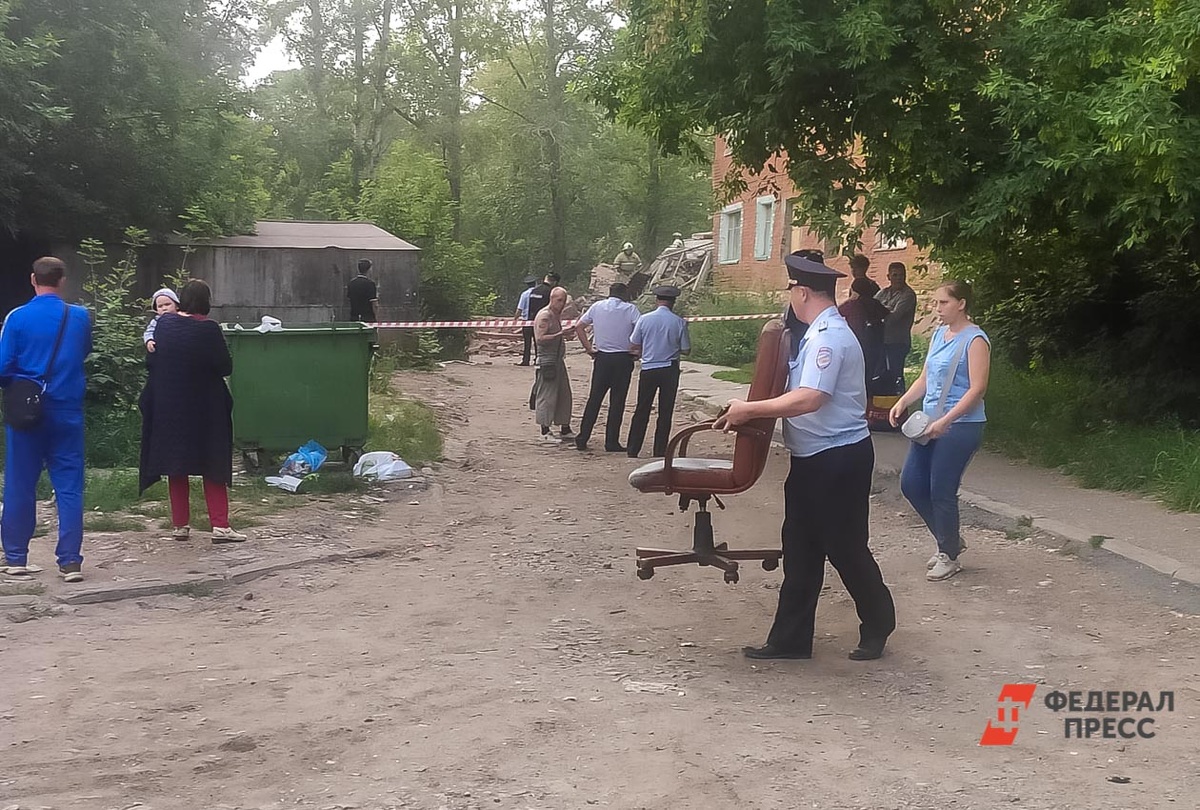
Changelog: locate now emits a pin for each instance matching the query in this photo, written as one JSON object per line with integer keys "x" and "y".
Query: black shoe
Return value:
{"x": 520, "y": 364}
{"x": 868, "y": 650}
{"x": 632, "y": 454}
{"x": 768, "y": 651}
{"x": 616, "y": 448}
{"x": 580, "y": 444}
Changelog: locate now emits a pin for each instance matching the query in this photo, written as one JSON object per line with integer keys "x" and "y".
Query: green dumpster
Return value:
{"x": 301, "y": 383}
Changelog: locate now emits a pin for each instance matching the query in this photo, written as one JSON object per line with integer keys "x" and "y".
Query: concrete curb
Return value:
{"x": 1161, "y": 563}
{"x": 136, "y": 589}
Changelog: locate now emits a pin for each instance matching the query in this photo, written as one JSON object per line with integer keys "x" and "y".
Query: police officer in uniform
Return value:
{"x": 660, "y": 337}
{"x": 523, "y": 314}
{"x": 826, "y": 496}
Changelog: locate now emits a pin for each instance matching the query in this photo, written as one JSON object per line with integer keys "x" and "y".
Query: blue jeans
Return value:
{"x": 930, "y": 480}
{"x": 56, "y": 445}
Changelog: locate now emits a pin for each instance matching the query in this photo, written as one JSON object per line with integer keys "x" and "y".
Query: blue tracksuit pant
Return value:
{"x": 57, "y": 446}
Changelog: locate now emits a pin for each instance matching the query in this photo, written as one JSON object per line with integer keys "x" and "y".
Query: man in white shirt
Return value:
{"x": 612, "y": 321}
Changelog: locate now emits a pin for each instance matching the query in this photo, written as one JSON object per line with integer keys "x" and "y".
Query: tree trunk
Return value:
{"x": 318, "y": 36}
{"x": 357, "y": 153}
{"x": 555, "y": 111}
{"x": 452, "y": 142}
{"x": 379, "y": 98}
{"x": 652, "y": 205}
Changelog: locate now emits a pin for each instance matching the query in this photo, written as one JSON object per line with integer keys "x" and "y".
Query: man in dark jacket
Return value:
{"x": 363, "y": 294}
{"x": 27, "y": 345}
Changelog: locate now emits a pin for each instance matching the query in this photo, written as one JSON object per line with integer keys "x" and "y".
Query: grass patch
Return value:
{"x": 405, "y": 427}
{"x": 196, "y": 590}
{"x": 1067, "y": 420}
{"x": 98, "y": 522}
{"x": 741, "y": 376}
{"x": 728, "y": 343}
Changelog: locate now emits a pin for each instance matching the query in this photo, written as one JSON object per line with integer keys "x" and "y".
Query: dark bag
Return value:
{"x": 23, "y": 407}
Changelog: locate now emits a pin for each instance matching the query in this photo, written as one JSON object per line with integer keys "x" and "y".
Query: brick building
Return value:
{"x": 752, "y": 234}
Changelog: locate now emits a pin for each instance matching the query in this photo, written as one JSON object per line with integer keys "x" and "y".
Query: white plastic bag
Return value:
{"x": 382, "y": 466}
{"x": 269, "y": 324}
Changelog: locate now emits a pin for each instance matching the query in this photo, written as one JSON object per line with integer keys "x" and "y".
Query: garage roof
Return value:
{"x": 314, "y": 234}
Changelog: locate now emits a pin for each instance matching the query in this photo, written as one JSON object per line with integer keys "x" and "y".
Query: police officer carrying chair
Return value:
{"x": 704, "y": 479}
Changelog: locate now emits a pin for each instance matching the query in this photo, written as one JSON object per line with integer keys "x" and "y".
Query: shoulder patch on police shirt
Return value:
{"x": 824, "y": 357}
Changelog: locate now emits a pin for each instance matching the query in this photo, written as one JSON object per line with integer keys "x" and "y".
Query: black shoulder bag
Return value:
{"x": 23, "y": 409}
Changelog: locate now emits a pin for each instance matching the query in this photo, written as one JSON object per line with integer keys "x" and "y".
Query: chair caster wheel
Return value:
{"x": 645, "y": 573}
{"x": 770, "y": 565}
{"x": 731, "y": 577}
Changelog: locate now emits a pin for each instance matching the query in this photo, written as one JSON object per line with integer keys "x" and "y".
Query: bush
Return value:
{"x": 727, "y": 343}
{"x": 1075, "y": 418}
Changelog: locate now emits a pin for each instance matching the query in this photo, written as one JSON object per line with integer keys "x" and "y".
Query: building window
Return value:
{"x": 764, "y": 226}
{"x": 889, "y": 243}
{"x": 730, "y": 250}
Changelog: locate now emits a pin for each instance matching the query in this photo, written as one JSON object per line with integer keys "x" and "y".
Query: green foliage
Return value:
{"x": 1072, "y": 417}
{"x": 135, "y": 112}
{"x": 727, "y": 343}
{"x": 1066, "y": 170}
{"x": 410, "y": 197}
{"x": 116, "y": 367}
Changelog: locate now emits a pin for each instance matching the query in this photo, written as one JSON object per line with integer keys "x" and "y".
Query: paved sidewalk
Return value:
{"x": 1137, "y": 528}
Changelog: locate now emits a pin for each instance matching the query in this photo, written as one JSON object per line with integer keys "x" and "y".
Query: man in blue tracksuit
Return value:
{"x": 56, "y": 443}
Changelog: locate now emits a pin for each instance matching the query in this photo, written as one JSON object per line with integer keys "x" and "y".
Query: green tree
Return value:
{"x": 131, "y": 106}
{"x": 410, "y": 197}
{"x": 1046, "y": 149}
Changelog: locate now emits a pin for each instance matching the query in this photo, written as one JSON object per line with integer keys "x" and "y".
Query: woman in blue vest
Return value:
{"x": 933, "y": 471}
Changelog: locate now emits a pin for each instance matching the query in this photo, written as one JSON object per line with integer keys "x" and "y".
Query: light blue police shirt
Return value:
{"x": 663, "y": 335}
{"x": 523, "y": 303}
{"x": 829, "y": 360}
{"x": 612, "y": 323}
{"x": 937, "y": 363}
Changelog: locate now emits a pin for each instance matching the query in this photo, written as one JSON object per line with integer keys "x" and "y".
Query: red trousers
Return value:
{"x": 215, "y": 495}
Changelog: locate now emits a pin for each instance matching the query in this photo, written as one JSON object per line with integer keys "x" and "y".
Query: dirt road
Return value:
{"x": 509, "y": 658}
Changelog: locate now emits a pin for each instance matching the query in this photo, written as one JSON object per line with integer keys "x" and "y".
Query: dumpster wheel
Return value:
{"x": 351, "y": 455}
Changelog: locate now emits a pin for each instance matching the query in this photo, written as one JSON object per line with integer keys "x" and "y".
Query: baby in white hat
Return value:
{"x": 161, "y": 302}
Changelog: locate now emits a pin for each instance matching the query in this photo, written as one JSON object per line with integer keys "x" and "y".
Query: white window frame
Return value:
{"x": 764, "y": 227}
{"x": 729, "y": 247}
{"x": 884, "y": 243}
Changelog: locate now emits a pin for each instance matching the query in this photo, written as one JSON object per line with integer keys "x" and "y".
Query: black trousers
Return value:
{"x": 527, "y": 336}
{"x": 663, "y": 383}
{"x": 826, "y": 513}
{"x": 611, "y": 374}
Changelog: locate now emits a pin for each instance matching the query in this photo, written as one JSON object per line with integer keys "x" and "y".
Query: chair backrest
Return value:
{"x": 770, "y": 379}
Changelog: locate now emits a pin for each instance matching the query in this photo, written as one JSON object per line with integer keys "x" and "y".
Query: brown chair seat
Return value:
{"x": 687, "y": 474}
{"x": 704, "y": 479}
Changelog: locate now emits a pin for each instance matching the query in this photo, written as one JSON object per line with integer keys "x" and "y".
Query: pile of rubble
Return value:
{"x": 688, "y": 268}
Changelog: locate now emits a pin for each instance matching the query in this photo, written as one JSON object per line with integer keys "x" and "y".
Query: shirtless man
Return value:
{"x": 551, "y": 396}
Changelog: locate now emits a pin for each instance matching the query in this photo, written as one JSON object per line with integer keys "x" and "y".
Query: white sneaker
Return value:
{"x": 181, "y": 533}
{"x": 932, "y": 561}
{"x": 16, "y": 570}
{"x": 550, "y": 438}
{"x": 226, "y": 535}
{"x": 943, "y": 568}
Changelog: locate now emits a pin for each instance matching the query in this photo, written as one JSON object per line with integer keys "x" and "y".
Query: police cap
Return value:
{"x": 666, "y": 291}
{"x": 813, "y": 274}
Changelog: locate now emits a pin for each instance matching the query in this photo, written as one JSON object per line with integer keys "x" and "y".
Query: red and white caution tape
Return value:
{"x": 511, "y": 323}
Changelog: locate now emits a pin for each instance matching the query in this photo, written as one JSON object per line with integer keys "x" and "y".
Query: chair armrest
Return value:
{"x": 680, "y": 440}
